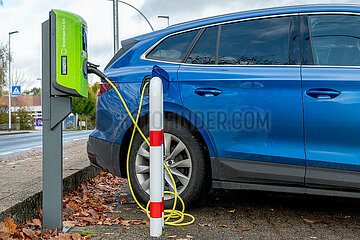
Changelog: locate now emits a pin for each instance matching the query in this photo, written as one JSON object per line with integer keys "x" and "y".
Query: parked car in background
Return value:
{"x": 266, "y": 99}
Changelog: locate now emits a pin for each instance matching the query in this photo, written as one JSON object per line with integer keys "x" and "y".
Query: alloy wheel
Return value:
{"x": 176, "y": 157}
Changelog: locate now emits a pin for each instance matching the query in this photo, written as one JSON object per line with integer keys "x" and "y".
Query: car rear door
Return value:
{"x": 242, "y": 80}
{"x": 331, "y": 95}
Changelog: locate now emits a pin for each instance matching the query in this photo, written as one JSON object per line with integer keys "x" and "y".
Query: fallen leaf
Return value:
{"x": 77, "y": 236}
{"x": 127, "y": 227}
{"x": 223, "y": 226}
{"x": 173, "y": 236}
{"x": 124, "y": 201}
{"x": 137, "y": 222}
{"x": 10, "y": 225}
{"x": 204, "y": 225}
{"x": 37, "y": 222}
{"x": 29, "y": 232}
{"x": 69, "y": 223}
{"x": 314, "y": 222}
{"x": 308, "y": 221}
{"x": 313, "y": 237}
{"x": 321, "y": 222}
{"x": 232, "y": 211}
{"x": 240, "y": 230}
{"x": 125, "y": 223}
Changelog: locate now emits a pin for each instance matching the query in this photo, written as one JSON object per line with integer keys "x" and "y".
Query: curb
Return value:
{"x": 11, "y": 133}
{"x": 29, "y": 208}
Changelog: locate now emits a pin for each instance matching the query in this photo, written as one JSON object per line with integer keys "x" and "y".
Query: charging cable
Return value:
{"x": 172, "y": 217}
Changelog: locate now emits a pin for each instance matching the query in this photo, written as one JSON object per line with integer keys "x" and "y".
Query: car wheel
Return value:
{"x": 183, "y": 155}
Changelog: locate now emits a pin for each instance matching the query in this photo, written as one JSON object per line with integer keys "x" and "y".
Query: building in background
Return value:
{"x": 31, "y": 102}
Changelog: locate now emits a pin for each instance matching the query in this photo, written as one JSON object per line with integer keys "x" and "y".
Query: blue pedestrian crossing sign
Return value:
{"x": 16, "y": 90}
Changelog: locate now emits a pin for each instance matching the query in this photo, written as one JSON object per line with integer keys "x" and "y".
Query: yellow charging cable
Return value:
{"x": 172, "y": 213}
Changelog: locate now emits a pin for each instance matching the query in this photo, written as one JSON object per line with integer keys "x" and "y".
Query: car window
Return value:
{"x": 173, "y": 49}
{"x": 263, "y": 41}
{"x": 335, "y": 39}
{"x": 205, "y": 49}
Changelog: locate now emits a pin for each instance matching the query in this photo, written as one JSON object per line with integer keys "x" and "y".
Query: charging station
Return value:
{"x": 64, "y": 75}
{"x": 65, "y": 70}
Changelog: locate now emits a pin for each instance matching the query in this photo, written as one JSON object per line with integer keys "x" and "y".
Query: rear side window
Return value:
{"x": 205, "y": 49}
{"x": 174, "y": 48}
{"x": 255, "y": 42}
{"x": 335, "y": 39}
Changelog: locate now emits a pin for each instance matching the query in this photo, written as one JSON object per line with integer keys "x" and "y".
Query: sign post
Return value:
{"x": 64, "y": 74}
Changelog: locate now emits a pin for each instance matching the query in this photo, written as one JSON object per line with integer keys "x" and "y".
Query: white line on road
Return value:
{"x": 6, "y": 153}
{"x": 16, "y": 162}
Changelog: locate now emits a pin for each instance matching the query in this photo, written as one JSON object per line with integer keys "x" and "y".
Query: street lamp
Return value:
{"x": 116, "y": 21}
{"x": 166, "y": 17}
{"x": 10, "y": 33}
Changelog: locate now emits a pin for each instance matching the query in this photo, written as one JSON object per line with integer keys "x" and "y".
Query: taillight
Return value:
{"x": 103, "y": 87}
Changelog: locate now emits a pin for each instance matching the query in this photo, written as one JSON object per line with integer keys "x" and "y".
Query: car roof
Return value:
{"x": 254, "y": 13}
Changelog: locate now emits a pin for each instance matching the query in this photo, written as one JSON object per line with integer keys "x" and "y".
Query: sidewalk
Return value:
{"x": 21, "y": 178}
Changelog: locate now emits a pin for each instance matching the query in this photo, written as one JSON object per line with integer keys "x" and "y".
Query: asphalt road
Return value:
{"x": 245, "y": 215}
{"x": 20, "y": 143}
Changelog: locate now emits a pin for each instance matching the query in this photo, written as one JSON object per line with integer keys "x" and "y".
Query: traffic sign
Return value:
{"x": 38, "y": 122}
{"x": 16, "y": 90}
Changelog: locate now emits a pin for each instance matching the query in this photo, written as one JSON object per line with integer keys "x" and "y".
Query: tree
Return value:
{"x": 19, "y": 78}
{"x": 4, "y": 59}
{"x": 24, "y": 117}
{"x": 33, "y": 91}
{"x": 86, "y": 107}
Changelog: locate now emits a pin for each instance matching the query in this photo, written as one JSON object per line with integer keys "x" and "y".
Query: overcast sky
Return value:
{"x": 26, "y": 17}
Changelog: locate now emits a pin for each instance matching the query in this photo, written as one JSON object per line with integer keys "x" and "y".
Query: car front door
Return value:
{"x": 242, "y": 80}
{"x": 331, "y": 95}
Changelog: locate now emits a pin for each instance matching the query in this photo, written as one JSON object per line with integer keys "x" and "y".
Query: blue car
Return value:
{"x": 266, "y": 100}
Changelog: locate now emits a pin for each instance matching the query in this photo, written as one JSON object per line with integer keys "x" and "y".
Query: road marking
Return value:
{"x": 16, "y": 162}
{"x": 6, "y": 153}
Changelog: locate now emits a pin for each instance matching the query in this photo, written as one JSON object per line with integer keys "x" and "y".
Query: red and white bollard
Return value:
{"x": 156, "y": 157}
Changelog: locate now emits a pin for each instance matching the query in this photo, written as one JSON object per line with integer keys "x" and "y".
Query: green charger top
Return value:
{"x": 71, "y": 53}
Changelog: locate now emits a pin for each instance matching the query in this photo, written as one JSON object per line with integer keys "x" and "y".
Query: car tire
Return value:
{"x": 197, "y": 171}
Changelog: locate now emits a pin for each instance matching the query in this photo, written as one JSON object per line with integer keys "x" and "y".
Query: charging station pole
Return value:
{"x": 64, "y": 74}
{"x": 156, "y": 157}
{"x": 54, "y": 110}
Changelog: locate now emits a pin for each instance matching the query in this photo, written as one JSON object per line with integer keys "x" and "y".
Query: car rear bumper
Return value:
{"x": 104, "y": 155}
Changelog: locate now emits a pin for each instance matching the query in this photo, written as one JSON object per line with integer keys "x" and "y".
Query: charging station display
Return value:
{"x": 69, "y": 54}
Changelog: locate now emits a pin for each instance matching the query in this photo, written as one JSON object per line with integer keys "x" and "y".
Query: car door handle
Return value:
{"x": 322, "y": 93}
{"x": 208, "y": 92}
